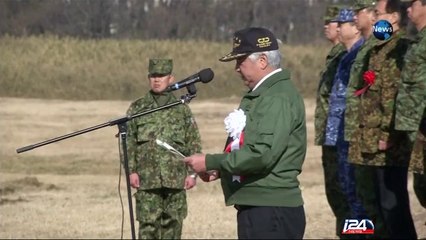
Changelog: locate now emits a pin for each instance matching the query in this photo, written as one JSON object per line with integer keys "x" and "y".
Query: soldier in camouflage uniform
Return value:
{"x": 364, "y": 19}
{"x": 160, "y": 176}
{"x": 376, "y": 141}
{"x": 411, "y": 99}
{"x": 335, "y": 197}
{"x": 351, "y": 38}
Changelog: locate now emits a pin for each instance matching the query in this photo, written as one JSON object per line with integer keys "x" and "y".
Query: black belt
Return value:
{"x": 242, "y": 207}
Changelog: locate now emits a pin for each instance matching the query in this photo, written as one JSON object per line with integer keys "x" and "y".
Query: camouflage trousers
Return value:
{"x": 419, "y": 182}
{"x": 333, "y": 191}
{"x": 160, "y": 213}
{"x": 418, "y": 153}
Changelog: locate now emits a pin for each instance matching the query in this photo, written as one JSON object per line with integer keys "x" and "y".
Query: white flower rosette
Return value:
{"x": 234, "y": 126}
{"x": 235, "y": 123}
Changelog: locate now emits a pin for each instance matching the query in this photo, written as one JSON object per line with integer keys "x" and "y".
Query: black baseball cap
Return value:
{"x": 250, "y": 40}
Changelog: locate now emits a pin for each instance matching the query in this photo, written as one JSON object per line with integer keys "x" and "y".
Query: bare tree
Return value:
{"x": 293, "y": 21}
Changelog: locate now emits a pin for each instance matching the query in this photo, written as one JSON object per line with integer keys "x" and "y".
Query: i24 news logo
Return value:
{"x": 356, "y": 226}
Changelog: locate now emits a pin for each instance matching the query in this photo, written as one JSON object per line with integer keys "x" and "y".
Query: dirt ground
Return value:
{"x": 75, "y": 189}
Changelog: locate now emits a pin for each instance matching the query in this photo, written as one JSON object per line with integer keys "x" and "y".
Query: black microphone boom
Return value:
{"x": 205, "y": 76}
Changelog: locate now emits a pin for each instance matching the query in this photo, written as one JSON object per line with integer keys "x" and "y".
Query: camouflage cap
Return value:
{"x": 361, "y": 4}
{"x": 331, "y": 13}
{"x": 160, "y": 66}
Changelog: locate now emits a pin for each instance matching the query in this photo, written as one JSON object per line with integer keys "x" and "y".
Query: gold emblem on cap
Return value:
{"x": 263, "y": 42}
{"x": 237, "y": 42}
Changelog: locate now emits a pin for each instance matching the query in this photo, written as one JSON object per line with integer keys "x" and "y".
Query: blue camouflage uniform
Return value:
{"x": 334, "y": 135}
{"x": 335, "y": 197}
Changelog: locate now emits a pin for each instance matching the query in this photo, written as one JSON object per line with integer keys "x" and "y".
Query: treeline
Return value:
{"x": 293, "y": 21}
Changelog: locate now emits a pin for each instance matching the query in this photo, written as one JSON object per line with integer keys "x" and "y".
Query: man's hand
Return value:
{"x": 190, "y": 182}
{"x": 384, "y": 145}
{"x": 209, "y": 176}
{"x": 197, "y": 162}
{"x": 134, "y": 180}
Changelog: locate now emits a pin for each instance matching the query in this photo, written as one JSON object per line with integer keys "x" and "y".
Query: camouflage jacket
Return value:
{"x": 334, "y": 131}
{"x": 359, "y": 66}
{"x": 411, "y": 100}
{"x": 377, "y": 104}
{"x": 156, "y": 166}
{"x": 324, "y": 89}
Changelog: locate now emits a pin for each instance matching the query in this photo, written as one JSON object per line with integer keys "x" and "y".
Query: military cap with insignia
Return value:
{"x": 251, "y": 40}
{"x": 160, "y": 66}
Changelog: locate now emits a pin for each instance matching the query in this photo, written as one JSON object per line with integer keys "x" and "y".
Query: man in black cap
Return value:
{"x": 266, "y": 146}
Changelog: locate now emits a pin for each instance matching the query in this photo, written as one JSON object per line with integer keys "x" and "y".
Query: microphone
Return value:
{"x": 205, "y": 76}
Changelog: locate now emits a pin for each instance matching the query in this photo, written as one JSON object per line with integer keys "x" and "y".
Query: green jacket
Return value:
{"x": 411, "y": 100}
{"x": 273, "y": 151}
{"x": 324, "y": 89}
{"x": 156, "y": 166}
{"x": 377, "y": 107}
{"x": 356, "y": 82}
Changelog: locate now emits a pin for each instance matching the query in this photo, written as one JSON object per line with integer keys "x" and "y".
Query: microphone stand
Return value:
{"x": 121, "y": 123}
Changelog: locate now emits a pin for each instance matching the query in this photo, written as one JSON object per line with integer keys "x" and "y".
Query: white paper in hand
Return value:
{"x": 170, "y": 148}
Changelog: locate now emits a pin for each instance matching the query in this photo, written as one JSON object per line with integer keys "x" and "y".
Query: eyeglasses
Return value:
{"x": 241, "y": 59}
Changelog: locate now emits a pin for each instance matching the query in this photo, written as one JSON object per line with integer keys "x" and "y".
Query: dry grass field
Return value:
{"x": 70, "y": 189}
{"x": 51, "y": 67}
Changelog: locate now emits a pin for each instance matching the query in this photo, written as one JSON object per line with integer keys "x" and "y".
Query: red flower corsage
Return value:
{"x": 235, "y": 123}
{"x": 230, "y": 146}
{"x": 369, "y": 78}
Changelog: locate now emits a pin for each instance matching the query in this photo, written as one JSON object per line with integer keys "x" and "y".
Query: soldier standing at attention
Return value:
{"x": 377, "y": 142}
{"x": 351, "y": 38}
{"x": 335, "y": 197}
{"x": 411, "y": 99}
{"x": 160, "y": 177}
{"x": 364, "y": 18}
